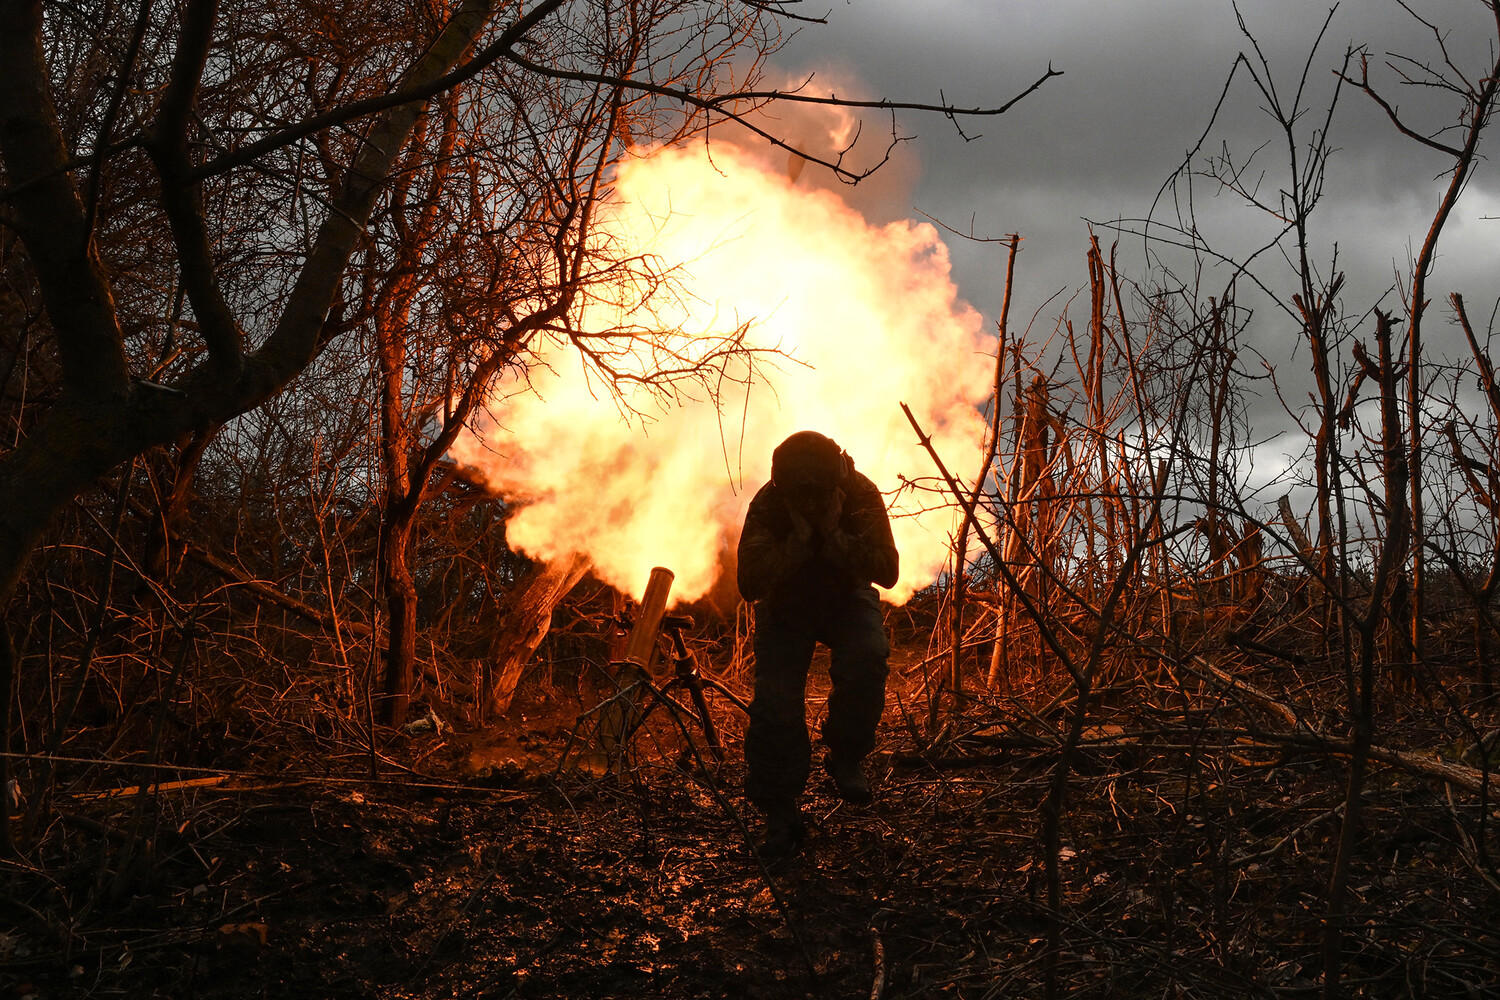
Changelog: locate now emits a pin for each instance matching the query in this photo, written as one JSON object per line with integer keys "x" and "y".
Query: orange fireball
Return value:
{"x": 867, "y": 316}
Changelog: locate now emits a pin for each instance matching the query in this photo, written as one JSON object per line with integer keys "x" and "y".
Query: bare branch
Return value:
{"x": 182, "y": 197}
{"x": 408, "y": 92}
{"x": 1363, "y": 83}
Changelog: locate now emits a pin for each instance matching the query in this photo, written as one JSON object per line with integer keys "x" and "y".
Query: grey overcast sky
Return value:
{"x": 1141, "y": 80}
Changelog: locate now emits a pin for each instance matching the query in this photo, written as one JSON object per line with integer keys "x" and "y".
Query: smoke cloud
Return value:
{"x": 864, "y": 317}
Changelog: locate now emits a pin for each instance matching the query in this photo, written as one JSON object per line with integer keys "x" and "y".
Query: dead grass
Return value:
{"x": 1198, "y": 837}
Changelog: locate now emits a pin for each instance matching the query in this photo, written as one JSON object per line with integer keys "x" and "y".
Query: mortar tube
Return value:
{"x": 642, "y": 643}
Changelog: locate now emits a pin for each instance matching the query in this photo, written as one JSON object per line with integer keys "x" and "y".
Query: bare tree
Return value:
{"x": 185, "y": 186}
{"x": 1367, "y": 461}
{"x": 1458, "y": 143}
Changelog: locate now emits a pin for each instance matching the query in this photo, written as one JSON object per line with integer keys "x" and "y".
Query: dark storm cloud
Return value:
{"x": 1142, "y": 79}
{"x": 1140, "y": 85}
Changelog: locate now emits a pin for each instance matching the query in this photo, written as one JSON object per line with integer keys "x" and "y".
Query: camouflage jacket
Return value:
{"x": 775, "y": 566}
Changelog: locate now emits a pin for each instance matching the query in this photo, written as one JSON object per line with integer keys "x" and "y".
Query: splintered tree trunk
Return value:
{"x": 1249, "y": 578}
{"x": 1031, "y": 489}
{"x": 526, "y": 622}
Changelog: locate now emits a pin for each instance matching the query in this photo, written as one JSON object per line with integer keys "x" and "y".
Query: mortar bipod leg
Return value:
{"x": 686, "y": 674}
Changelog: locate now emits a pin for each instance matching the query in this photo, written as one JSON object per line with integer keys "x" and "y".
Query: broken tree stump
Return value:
{"x": 526, "y": 620}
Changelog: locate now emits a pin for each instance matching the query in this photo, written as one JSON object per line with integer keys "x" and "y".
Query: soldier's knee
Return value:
{"x": 868, "y": 650}
{"x": 777, "y": 714}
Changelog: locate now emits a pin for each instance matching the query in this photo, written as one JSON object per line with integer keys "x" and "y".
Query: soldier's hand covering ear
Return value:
{"x": 802, "y": 527}
{"x": 833, "y": 509}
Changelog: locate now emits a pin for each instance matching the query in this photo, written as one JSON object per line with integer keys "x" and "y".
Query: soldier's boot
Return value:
{"x": 849, "y": 778}
{"x": 785, "y": 832}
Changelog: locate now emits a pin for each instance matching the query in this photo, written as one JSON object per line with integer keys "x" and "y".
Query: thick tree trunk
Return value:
{"x": 406, "y": 467}
{"x": 401, "y": 606}
{"x": 105, "y": 416}
{"x": 526, "y": 622}
{"x": 64, "y": 453}
{"x": 403, "y": 496}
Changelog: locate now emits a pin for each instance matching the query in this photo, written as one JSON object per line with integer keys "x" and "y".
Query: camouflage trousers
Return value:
{"x": 778, "y": 750}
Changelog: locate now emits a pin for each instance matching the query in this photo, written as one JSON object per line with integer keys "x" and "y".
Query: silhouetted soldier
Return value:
{"x": 816, "y": 537}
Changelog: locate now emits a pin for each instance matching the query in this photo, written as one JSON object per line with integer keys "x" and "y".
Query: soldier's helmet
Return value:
{"x": 809, "y": 459}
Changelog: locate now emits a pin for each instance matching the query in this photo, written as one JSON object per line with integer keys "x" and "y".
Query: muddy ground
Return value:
{"x": 500, "y": 862}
